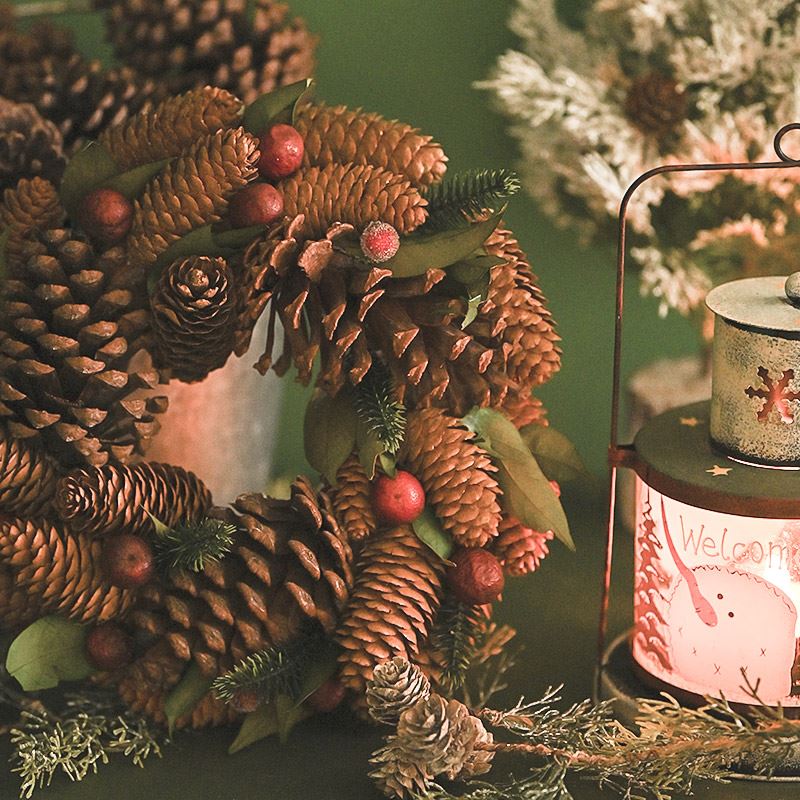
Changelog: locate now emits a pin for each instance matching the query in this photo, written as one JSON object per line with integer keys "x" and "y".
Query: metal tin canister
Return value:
{"x": 755, "y": 395}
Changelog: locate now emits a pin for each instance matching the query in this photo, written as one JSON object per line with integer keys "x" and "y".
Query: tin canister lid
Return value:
{"x": 758, "y": 303}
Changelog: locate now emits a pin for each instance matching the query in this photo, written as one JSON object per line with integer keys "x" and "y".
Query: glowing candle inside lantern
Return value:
{"x": 716, "y": 600}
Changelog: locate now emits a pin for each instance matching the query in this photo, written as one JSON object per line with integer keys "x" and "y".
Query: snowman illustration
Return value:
{"x": 724, "y": 622}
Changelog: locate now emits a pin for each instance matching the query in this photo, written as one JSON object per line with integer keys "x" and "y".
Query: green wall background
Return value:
{"x": 417, "y": 61}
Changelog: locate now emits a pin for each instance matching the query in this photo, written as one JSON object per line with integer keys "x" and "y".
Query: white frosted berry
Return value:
{"x": 379, "y": 241}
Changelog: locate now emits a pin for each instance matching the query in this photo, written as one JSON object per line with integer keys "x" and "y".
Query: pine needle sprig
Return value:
{"x": 458, "y": 199}
{"x": 378, "y": 407}
{"x": 189, "y": 546}
{"x": 456, "y": 638}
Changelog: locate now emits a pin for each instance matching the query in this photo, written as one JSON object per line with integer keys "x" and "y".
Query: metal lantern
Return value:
{"x": 717, "y": 537}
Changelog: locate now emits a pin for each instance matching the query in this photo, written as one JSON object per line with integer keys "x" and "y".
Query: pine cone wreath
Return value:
{"x": 193, "y": 316}
{"x": 394, "y": 600}
{"x": 190, "y": 191}
{"x": 171, "y": 127}
{"x": 520, "y": 549}
{"x": 101, "y": 501}
{"x": 456, "y": 475}
{"x": 352, "y": 501}
{"x": 28, "y": 478}
{"x": 49, "y": 569}
{"x": 289, "y": 568}
{"x": 30, "y": 146}
{"x": 248, "y": 48}
{"x": 72, "y": 323}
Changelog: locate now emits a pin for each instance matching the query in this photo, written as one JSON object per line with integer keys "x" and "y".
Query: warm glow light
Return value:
{"x": 716, "y": 594}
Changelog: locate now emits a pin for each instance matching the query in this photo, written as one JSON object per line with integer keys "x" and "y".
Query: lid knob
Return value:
{"x": 792, "y": 288}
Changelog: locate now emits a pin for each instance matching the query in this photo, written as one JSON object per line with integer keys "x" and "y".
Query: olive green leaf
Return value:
{"x": 329, "y": 432}
{"x": 370, "y": 447}
{"x": 527, "y": 493}
{"x": 289, "y": 714}
{"x": 132, "y": 182}
{"x": 88, "y": 169}
{"x": 186, "y": 695}
{"x": 429, "y": 530}
{"x": 475, "y": 268}
{"x": 48, "y": 651}
{"x": 257, "y": 725}
{"x": 557, "y": 456}
{"x": 277, "y": 106}
{"x": 322, "y": 667}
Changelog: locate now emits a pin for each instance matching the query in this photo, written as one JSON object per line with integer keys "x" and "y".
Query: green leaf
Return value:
{"x": 474, "y": 268}
{"x": 186, "y": 695}
{"x": 257, "y": 725}
{"x": 161, "y": 529}
{"x": 527, "y": 491}
{"x": 322, "y": 667}
{"x": 557, "y": 456}
{"x": 370, "y": 447}
{"x": 430, "y": 531}
{"x": 6, "y": 232}
{"x": 421, "y": 252}
{"x": 273, "y": 107}
{"x": 86, "y": 170}
{"x": 289, "y": 714}
{"x": 48, "y": 651}
{"x": 473, "y": 304}
{"x": 132, "y": 182}
{"x": 329, "y": 432}
{"x": 388, "y": 464}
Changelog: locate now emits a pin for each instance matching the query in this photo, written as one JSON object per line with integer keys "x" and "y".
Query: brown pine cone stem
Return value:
{"x": 456, "y": 474}
{"x": 28, "y": 478}
{"x": 111, "y": 499}
{"x": 352, "y": 500}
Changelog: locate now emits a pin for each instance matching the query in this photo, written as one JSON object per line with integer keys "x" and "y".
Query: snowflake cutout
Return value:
{"x": 775, "y": 394}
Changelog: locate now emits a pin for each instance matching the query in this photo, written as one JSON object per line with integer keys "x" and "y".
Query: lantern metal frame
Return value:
{"x": 625, "y": 455}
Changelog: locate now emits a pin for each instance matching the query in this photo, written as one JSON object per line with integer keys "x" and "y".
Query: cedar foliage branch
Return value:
{"x": 456, "y": 638}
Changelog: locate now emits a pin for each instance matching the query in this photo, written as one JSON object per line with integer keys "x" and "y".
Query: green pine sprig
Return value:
{"x": 456, "y": 637}
{"x": 378, "y": 407}
{"x": 456, "y": 200}
{"x": 190, "y": 546}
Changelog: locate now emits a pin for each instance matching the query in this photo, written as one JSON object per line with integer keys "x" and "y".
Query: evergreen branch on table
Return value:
{"x": 459, "y": 198}
{"x": 378, "y": 407}
{"x": 189, "y": 546}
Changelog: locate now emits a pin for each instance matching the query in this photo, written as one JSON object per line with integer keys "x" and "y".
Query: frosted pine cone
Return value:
{"x": 456, "y": 475}
{"x": 520, "y": 549}
{"x": 395, "y": 686}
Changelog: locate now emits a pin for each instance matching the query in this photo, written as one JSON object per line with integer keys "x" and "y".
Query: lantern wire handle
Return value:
{"x": 617, "y": 452}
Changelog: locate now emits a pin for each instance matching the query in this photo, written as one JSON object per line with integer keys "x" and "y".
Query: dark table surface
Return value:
{"x": 555, "y": 612}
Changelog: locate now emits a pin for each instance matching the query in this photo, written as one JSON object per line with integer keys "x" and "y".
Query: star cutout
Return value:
{"x": 690, "y": 422}
{"x": 717, "y": 470}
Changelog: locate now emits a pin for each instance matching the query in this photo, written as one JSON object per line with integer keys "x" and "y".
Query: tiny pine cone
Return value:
{"x": 520, "y": 549}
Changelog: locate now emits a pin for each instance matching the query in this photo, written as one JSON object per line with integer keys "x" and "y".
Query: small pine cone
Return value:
{"x": 28, "y": 478}
{"x": 191, "y": 191}
{"x": 352, "y": 501}
{"x": 288, "y": 568}
{"x": 396, "y": 775}
{"x": 53, "y": 571}
{"x": 30, "y": 146}
{"x": 393, "y": 603}
{"x": 336, "y": 134}
{"x": 523, "y": 409}
{"x": 351, "y": 193}
{"x": 520, "y": 549}
{"x": 71, "y": 326}
{"x": 32, "y": 205}
{"x": 193, "y": 316}
{"x": 110, "y": 499}
{"x": 456, "y": 475}
{"x": 171, "y": 127}
{"x": 656, "y": 104}
{"x": 395, "y": 686}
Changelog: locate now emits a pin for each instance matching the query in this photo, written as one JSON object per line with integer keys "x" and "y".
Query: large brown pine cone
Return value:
{"x": 289, "y": 568}
{"x": 352, "y": 500}
{"x": 28, "y": 478}
{"x": 248, "y": 48}
{"x": 457, "y": 476}
{"x": 339, "y": 135}
{"x": 49, "y": 569}
{"x": 395, "y": 598}
{"x": 72, "y": 323}
{"x": 111, "y": 499}
{"x": 30, "y": 146}
{"x": 193, "y": 313}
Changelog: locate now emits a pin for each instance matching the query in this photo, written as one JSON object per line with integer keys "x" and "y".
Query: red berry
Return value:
{"x": 327, "y": 697}
{"x": 108, "y": 646}
{"x": 379, "y": 241}
{"x": 476, "y": 576}
{"x": 398, "y": 500}
{"x": 281, "y": 150}
{"x": 127, "y": 560}
{"x": 256, "y": 204}
{"x": 106, "y": 215}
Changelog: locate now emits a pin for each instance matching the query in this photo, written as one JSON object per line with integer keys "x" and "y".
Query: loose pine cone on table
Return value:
{"x": 289, "y": 568}
{"x": 72, "y": 323}
{"x": 30, "y": 146}
{"x": 247, "y": 48}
